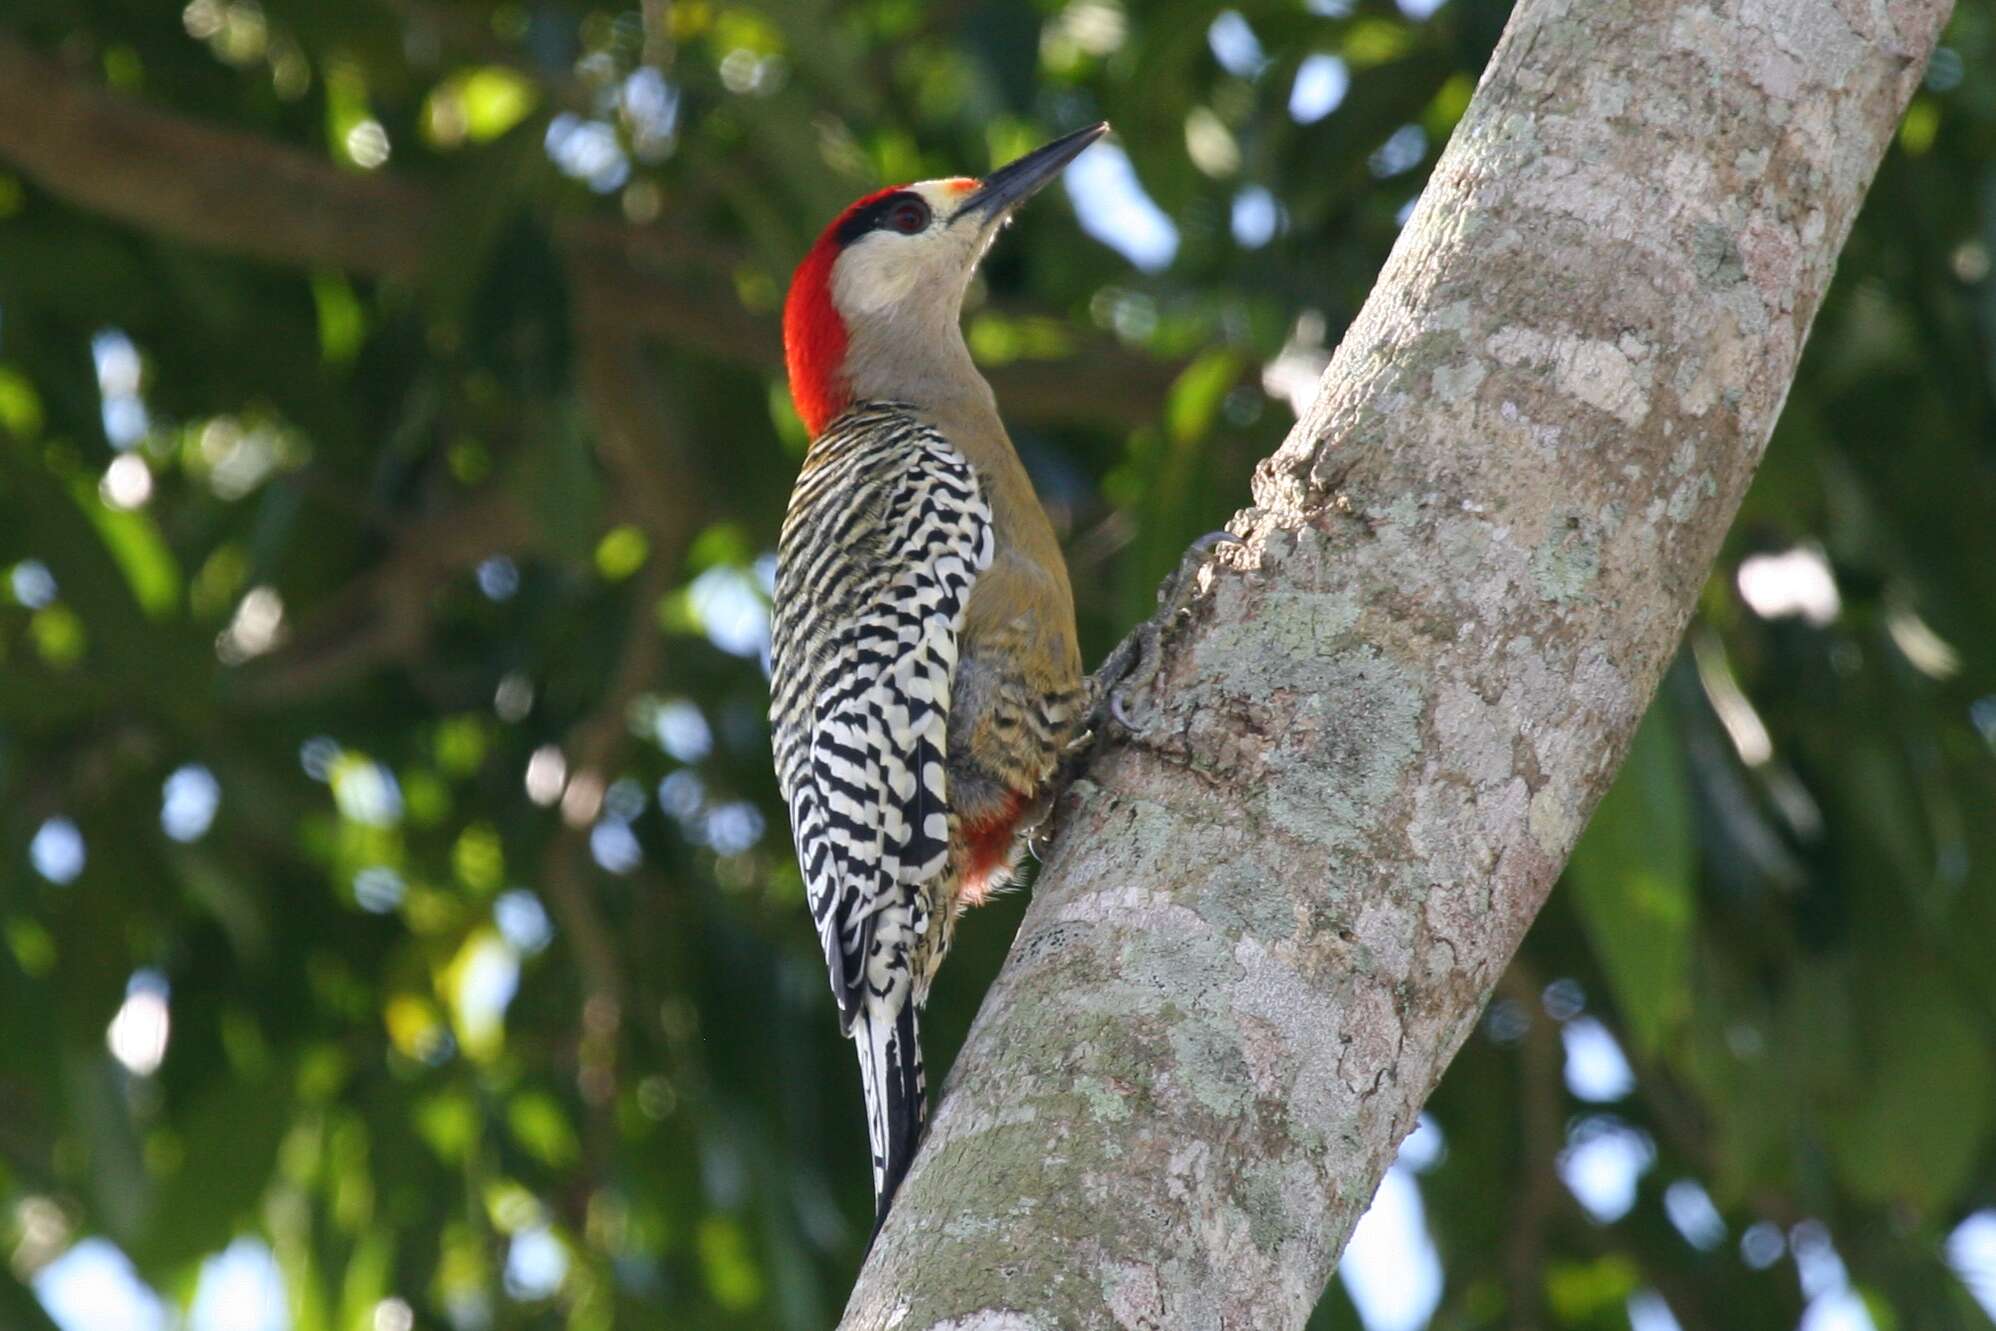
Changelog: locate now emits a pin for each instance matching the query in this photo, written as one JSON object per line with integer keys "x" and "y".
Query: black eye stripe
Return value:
{"x": 875, "y": 215}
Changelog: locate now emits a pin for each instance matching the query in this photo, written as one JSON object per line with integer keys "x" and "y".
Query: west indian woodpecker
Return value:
{"x": 926, "y": 674}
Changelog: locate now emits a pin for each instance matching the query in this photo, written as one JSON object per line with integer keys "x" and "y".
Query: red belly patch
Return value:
{"x": 987, "y": 849}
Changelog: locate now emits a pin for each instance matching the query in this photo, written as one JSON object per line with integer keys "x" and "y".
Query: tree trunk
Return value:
{"x": 1274, "y": 911}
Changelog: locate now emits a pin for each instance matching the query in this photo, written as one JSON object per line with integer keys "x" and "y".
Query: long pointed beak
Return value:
{"x": 1015, "y": 182}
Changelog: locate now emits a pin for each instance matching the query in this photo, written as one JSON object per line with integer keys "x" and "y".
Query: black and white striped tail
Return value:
{"x": 890, "y": 1074}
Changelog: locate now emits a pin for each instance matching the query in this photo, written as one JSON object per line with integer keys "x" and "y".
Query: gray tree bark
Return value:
{"x": 1274, "y": 911}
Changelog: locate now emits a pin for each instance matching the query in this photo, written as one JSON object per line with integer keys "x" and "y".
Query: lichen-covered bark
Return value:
{"x": 1272, "y": 913}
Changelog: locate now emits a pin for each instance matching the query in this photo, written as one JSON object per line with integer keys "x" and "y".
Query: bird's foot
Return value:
{"x": 1135, "y": 660}
{"x": 1132, "y": 661}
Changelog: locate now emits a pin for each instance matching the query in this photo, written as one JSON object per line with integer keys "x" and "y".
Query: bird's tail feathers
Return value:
{"x": 890, "y": 1074}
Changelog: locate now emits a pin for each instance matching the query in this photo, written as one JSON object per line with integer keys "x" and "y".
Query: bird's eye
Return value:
{"x": 909, "y": 216}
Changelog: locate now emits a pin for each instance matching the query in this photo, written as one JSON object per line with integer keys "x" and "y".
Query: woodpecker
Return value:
{"x": 925, "y": 670}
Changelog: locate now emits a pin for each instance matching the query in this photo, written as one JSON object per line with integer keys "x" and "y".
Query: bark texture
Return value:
{"x": 1274, "y": 911}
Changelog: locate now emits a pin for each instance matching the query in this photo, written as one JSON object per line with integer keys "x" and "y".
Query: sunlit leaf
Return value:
{"x": 495, "y": 99}
{"x": 20, "y": 405}
{"x": 413, "y": 1025}
{"x": 135, "y": 542}
{"x": 1196, "y": 394}
{"x": 732, "y": 1277}
{"x": 461, "y": 743}
{"x": 59, "y": 636}
{"x": 33, "y": 945}
{"x": 538, "y": 1124}
{"x": 342, "y": 323}
{"x": 1578, "y": 1293}
{"x": 479, "y": 858}
{"x": 1374, "y": 41}
{"x": 449, "y": 1123}
{"x": 621, "y": 552}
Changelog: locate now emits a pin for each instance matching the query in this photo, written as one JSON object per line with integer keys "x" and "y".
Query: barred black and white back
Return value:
{"x": 885, "y": 536}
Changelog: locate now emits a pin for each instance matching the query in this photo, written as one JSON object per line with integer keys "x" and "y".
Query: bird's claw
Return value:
{"x": 1171, "y": 591}
{"x": 1136, "y": 656}
{"x": 1116, "y": 708}
{"x": 1214, "y": 539}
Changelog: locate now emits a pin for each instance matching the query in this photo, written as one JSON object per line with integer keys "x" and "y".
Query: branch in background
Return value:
{"x": 639, "y": 449}
{"x": 658, "y": 50}
{"x": 652, "y": 471}
{"x": 1274, "y": 908}
{"x": 244, "y": 194}
{"x": 382, "y": 617}
{"x": 1542, "y": 1126}
{"x": 566, "y": 869}
{"x": 594, "y": 748}
{"x": 226, "y": 191}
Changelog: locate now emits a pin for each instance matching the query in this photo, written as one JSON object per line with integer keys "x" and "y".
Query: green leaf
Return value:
{"x": 494, "y": 100}
{"x": 141, "y": 552}
{"x": 342, "y": 323}
{"x": 20, "y": 405}
{"x": 1197, "y": 393}
{"x": 230, "y": 1133}
{"x": 723, "y": 545}
{"x": 346, "y": 107}
{"x": 89, "y": 570}
{"x": 1578, "y": 1293}
{"x": 19, "y": 1308}
{"x": 1374, "y": 41}
{"x": 1921, "y": 1116}
{"x": 557, "y": 479}
{"x": 448, "y": 1121}
{"x": 59, "y": 636}
{"x": 538, "y": 1124}
{"x": 732, "y": 1277}
{"x": 368, "y": 1278}
{"x": 1168, "y": 475}
{"x": 1631, "y": 880}
{"x": 621, "y": 552}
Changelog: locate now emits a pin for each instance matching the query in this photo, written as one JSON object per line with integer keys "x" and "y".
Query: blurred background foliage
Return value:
{"x": 400, "y": 927}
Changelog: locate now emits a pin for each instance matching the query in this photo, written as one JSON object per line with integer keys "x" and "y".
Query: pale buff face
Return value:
{"x": 901, "y": 297}
{"x": 883, "y": 271}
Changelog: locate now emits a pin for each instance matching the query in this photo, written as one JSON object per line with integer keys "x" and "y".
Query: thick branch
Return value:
{"x": 383, "y": 615}
{"x": 1276, "y": 910}
{"x": 641, "y": 451}
{"x": 228, "y": 191}
{"x": 244, "y": 194}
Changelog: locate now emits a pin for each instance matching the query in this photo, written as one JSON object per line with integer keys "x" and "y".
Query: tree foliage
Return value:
{"x": 391, "y": 447}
